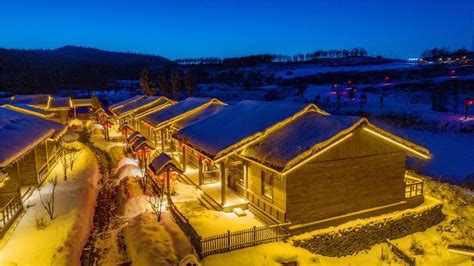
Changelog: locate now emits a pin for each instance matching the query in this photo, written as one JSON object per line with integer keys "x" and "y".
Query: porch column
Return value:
{"x": 154, "y": 137}
{"x": 162, "y": 140}
{"x": 19, "y": 177}
{"x": 75, "y": 114}
{"x": 47, "y": 153}
{"x": 184, "y": 158}
{"x": 246, "y": 177}
{"x": 201, "y": 176}
{"x": 223, "y": 177}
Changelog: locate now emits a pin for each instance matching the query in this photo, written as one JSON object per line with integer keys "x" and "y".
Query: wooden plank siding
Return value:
{"x": 275, "y": 207}
{"x": 360, "y": 173}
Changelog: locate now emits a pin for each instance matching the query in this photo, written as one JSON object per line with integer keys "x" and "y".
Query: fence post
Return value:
{"x": 228, "y": 240}
{"x": 254, "y": 235}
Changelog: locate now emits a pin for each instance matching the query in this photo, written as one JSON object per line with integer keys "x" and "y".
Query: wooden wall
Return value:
{"x": 274, "y": 207}
{"x": 11, "y": 187}
{"x": 28, "y": 174}
{"x": 360, "y": 173}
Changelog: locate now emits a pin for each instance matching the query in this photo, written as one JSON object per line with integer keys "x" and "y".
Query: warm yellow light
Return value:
{"x": 397, "y": 143}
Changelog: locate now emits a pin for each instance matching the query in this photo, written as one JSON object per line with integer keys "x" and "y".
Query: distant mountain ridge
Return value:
{"x": 27, "y": 71}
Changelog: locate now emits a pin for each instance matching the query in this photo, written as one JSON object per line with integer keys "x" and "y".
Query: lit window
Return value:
{"x": 267, "y": 184}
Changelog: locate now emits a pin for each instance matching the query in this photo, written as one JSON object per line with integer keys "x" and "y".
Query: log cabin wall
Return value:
{"x": 274, "y": 207}
{"x": 41, "y": 156}
{"x": 360, "y": 173}
{"x": 28, "y": 174}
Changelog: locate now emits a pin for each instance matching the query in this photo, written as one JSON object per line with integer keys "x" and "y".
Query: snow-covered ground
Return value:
{"x": 62, "y": 240}
{"x": 307, "y": 70}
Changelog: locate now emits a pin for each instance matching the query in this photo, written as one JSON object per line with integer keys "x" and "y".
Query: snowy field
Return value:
{"x": 61, "y": 241}
{"x": 308, "y": 70}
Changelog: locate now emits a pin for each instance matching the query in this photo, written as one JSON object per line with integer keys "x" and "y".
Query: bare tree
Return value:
{"x": 64, "y": 159}
{"x": 156, "y": 203}
{"x": 73, "y": 155}
{"x": 48, "y": 202}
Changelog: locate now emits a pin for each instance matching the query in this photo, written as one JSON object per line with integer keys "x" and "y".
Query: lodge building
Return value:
{"x": 286, "y": 162}
{"x": 29, "y": 151}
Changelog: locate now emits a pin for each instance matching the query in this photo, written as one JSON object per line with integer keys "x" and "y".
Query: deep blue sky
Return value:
{"x": 178, "y": 29}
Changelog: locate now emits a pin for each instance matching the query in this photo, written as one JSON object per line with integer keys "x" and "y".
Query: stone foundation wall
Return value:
{"x": 352, "y": 239}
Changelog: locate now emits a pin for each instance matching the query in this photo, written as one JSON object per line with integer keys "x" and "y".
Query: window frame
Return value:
{"x": 264, "y": 176}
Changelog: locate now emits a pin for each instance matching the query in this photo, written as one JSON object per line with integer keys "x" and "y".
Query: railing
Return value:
{"x": 401, "y": 254}
{"x": 186, "y": 227}
{"x": 413, "y": 187}
{"x": 229, "y": 241}
{"x": 241, "y": 239}
{"x": 9, "y": 212}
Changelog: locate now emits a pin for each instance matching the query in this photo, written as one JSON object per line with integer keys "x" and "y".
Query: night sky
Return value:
{"x": 178, "y": 29}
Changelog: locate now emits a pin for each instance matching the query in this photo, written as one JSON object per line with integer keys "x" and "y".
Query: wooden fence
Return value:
{"x": 9, "y": 212}
{"x": 401, "y": 254}
{"x": 229, "y": 241}
{"x": 413, "y": 187}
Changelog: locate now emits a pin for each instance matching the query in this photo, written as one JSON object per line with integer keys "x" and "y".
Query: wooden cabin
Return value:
{"x": 29, "y": 152}
{"x": 129, "y": 109}
{"x": 59, "y": 109}
{"x": 297, "y": 164}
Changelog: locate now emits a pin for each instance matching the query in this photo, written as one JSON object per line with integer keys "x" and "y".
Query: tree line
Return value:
{"x": 168, "y": 83}
{"x": 435, "y": 53}
{"x": 274, "y": 58}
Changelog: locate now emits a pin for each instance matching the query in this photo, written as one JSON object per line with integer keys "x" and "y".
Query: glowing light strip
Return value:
{"x": 260, "y": 164}
{"x": 26, "y": 111}
{"x": 397, "y": 143}
{"x": 296, "y": 166}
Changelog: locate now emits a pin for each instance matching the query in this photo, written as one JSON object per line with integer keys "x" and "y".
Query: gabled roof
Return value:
{"x": 140, "y": 105}
{"x": 28, "y": 109}
{"x": 20, "y": 132}
{"x": 82, "y": 102}
{"x": 177, "y": 111}
{"x": 142, "y": 141}
{"x": 39, "y": 100}
{"x": 161, "y": 162}
{"x": 133, "y": 136}
{"x": 309, "y": 135}
{"x": 60, "y": 103}
{"x": 199, "y": 115}
{"x": 125, "y": 102}
{"x": 239, "y": 125}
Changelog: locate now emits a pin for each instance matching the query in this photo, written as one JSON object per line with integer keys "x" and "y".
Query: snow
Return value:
{"x": 236, "y": 123}
{"x": 31, "y": 99}
{"x": 199, "y": 115}
{"x": 60, "y": 102}
{"x": 129, "y": 170}
{"x": 142, "y": 103}
{"x": 21, "y": 132}
{"x": 126, "y": 101}
{"x": 173, "y": 111}
{"x": 61, "y": 242}
{"x": 210, "y": 222}
{"x": 300, "y": 135}
{"x": 148, "y": 243}
{"x": 308, "y": 70}
{"x": 266, "y": 254}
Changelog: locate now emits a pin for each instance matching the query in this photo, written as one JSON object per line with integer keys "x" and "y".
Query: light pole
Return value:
{"x": 466, "y": 106}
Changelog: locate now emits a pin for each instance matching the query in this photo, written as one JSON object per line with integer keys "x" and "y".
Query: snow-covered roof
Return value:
{"x": 28, "y": 109}
{"x": 279, "y": 147}
{"x": 81, "y": 102}
{"x": 133, "y": 136}
{"x": 20, "y": 132}
{"x": 140, "y": 142}
{"x": 161, "y": 161}
{"x": 140, "y": 104}
{"x": 236, "y": 125}
{"x": 40, "y": 100}
{"x": 197, "y": 116}
{"x": 308, "y": 134}
{"x": 60, "y": 103}
{"x": 125, "y": 102}
{"x": 178, "y": 110}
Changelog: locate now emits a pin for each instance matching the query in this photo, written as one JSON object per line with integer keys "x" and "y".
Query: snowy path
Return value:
{"x": 106, "y": 244}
